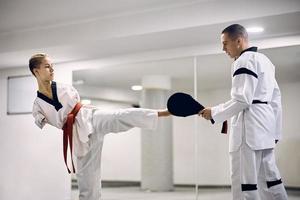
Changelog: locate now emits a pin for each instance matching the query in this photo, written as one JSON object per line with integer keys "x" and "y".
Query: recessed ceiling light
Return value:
{"x": 255, "y": 29}
{"x": 78, "y": 82}
{"x": 136, "y": 87}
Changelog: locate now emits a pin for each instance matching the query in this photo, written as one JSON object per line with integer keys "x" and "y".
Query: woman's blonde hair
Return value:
{"x": 36, "y": 60}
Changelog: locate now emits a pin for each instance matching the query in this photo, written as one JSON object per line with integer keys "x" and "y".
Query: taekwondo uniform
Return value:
{"x": 89, "y": 128}
{"x": 256, "y": 114}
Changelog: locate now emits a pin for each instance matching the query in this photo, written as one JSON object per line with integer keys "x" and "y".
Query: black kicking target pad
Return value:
{"x": 183, "y": 105}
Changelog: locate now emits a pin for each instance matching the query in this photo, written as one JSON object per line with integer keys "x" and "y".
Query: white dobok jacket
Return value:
{"x": 255, "y": 104}
{"x": 89, "y": 119}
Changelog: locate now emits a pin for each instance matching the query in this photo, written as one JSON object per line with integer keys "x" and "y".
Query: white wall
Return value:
{"x": 108, "y": 93}
{"x": 32, "y": 165}
{"x": 213, "y": 160}
{"x": 288, "y": 151}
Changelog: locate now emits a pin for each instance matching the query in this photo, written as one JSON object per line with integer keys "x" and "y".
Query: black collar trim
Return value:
{"x": 54, "y": 102}
{"x": 253, "y": 49}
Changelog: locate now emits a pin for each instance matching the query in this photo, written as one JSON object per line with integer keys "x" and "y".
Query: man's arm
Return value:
{"x": 276, "y": 105}
{"x": 244, "y": 83}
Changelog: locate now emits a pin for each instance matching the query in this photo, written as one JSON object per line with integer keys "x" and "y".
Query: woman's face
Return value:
{"x": 45, "y": 71}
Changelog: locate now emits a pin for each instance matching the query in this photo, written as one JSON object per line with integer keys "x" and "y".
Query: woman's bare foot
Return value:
{"x": 163, "y": 113}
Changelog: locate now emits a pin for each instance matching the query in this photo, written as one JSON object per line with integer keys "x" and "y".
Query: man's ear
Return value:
{"x": 239, "y": 40}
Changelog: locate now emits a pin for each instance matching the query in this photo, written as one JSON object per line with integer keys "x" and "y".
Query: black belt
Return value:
{"x": 258, "y": 101}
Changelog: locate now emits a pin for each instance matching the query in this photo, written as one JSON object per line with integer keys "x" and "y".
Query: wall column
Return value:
{"x": 157, "y": 148}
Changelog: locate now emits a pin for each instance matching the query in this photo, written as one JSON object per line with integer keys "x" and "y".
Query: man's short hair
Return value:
{"x": 236, "y": 30}
{"x": 36, "y": 60}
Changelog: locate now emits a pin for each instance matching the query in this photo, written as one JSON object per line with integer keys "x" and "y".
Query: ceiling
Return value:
{"x": 109, "y": 38}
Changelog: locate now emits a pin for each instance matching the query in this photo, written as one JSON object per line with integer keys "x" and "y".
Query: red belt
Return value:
{"x": 68, "y": 133}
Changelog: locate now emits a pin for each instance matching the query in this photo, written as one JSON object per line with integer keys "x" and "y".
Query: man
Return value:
{"x": 255, "y": 112}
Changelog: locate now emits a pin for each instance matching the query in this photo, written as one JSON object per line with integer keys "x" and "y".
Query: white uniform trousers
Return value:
{"x": 255, "y": 176}
{"x": 89, "y": 170}
{"x": 89, "y": 165}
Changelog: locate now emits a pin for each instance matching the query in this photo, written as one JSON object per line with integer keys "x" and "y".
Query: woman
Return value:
{"x": 84, "y": 126}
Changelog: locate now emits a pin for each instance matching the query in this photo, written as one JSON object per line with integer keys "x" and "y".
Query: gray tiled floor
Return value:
{"x": 135, "y": 193}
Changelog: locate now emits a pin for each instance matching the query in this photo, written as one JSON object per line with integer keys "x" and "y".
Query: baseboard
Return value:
{"x": 106, "y": 183}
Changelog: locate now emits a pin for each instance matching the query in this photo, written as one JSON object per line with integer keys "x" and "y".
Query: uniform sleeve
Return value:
{"x": 40, "y": 119}
{"x": 277, "y": 109}
{"x": 244, "y": 83}
{"x": 124, "y": 119}
{"x": 76, "y": 93}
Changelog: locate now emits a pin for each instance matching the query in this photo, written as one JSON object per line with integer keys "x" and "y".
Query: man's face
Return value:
{"x": 45, "y": 71}
{"x": 230, "y": 46}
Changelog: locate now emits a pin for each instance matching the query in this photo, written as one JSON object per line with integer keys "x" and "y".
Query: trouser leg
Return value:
{"x": 88, "y": 170}
{"x": 273, "y": 188}
{"x": 235, "y": 172}
{"x": 115, "y": 121}
{"x": 262, "y": 185}
{"x": 244, "y": 169}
